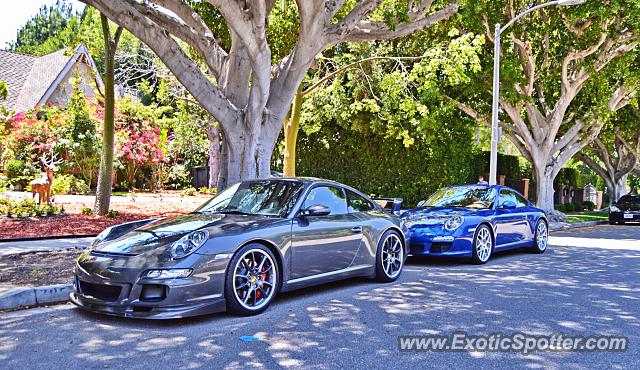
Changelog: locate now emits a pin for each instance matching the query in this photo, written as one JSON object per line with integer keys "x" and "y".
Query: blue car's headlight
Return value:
{"x": 188, "y": 244}
{"x": 453, "y": 223}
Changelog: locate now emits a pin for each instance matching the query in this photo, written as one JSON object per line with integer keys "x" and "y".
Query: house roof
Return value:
{"x": 31, "y": 80}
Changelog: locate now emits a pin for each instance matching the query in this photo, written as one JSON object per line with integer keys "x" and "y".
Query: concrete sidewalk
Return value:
{"x": 7, "y": 248}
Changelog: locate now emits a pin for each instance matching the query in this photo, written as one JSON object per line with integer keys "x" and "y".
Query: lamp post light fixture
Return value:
{"x": 495, "y": 129}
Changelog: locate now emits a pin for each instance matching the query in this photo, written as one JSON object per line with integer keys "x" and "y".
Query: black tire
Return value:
{"x": 538, "y": 247}
{"x": 611, "y": 222}
{"x": 481, "y": 232}
{"x": 390, "y": 257}
{"x": 252, "y": 280}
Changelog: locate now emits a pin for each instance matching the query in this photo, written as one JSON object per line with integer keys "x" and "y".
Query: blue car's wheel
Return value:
{"x": 482, "y": 245}
{"x": 541, "y": 237}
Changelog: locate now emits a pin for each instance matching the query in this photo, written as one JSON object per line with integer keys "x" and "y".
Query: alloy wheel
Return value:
{"x": 483, "y": 244}
{"x": 254, "y": 279}
{"x": 542, "y": 236}
{"x": 392, "y": 255}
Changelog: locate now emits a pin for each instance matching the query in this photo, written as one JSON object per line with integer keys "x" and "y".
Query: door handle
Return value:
{"x": 356, "y": 229}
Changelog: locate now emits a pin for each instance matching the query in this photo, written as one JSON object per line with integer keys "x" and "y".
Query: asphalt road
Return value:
{"x": 588, "y": 283}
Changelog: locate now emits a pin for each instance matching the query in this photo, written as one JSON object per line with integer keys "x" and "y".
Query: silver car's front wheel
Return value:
{"x": 252, "y": 280}
{"x": 482, "y": 245}
{"x": 390, "y": 258}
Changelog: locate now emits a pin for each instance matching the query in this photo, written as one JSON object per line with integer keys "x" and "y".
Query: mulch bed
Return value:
{"x": 68, "y": 224}
{"x": 74, "y": 222}
{"x": 39, "y": 268}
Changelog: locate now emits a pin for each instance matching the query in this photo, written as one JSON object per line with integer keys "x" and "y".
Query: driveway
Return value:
{"x": 573, "y": 288}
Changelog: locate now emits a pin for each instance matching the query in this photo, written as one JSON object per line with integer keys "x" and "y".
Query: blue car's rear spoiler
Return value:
{"x": 392, "y": 205}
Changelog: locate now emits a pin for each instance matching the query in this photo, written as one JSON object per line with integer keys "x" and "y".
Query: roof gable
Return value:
{"x": 33, "y": 79}
{"x": 14, "y": 71}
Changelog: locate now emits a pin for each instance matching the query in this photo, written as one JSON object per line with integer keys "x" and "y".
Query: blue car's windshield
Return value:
{"x": 262, "y": 197}
{"x": 478, "y": 197}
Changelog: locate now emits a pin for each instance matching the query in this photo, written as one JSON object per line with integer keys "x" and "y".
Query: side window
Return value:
{"x": 507, "y": 196}
{"x": 358, "y": 203}
{"x": 520, "y": 201}
{"x": 329, "y": 196}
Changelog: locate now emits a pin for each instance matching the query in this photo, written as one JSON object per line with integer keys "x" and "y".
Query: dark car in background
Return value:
{"x": 626, "y": 209}
{"x": 473, "y": 221}
{"x": 239, "y": 250}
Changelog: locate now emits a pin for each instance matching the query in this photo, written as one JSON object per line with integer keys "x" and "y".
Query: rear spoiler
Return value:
{"x": 392, "y": 205}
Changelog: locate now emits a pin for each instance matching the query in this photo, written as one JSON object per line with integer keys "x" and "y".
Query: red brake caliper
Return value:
{"x": 263, "y": 276}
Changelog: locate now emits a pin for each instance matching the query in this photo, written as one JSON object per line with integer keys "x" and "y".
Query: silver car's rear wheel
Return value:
{"x": 482, "y": 245}
{"x": 253, "y": 280}
{"x": 390, "y": 258}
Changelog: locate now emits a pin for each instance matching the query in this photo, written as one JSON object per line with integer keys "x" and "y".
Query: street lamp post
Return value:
{"x": 495, "y": 129}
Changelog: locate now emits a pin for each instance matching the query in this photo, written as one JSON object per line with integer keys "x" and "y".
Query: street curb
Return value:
{"x": 34, "y": 296}
{"x": 577, "y": 225}
{"x": 36, "y": 238}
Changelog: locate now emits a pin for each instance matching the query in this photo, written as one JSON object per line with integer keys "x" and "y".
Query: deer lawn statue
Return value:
{"x": 42, "y": 186}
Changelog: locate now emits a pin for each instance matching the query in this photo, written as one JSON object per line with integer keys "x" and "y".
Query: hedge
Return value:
{"x": 381, "y": 166}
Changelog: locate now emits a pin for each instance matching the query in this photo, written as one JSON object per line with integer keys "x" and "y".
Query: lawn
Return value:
{"x": 577, "y": 217}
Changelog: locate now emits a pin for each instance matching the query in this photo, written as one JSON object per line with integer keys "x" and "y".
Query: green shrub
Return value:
{"x": 28, "y": 208}
{"x": 80, "y": 187}
{"x": 189, "y": 192}
{"x": 560, "y": 208}
{"x": 61, "y": 184}
{"x": 569, "y": 207}
{"x": 567, "y": 176}
{"x": 577, "y": 207}
{"x": 112, "y": 214}
{"x": 69, "y": 184}
{"x": 588, "y": 205}
{"x": 87, "y": 211}
{"x": 206, "y": 190}
{"x": 14, "y": 168}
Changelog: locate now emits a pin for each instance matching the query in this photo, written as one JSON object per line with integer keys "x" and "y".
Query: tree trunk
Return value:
{"x": 105, "y": 172}
{"x": 544, "y": 186}
{"x": 291, "y": 129}
{"x": 213, "y": 133}
{"x": 617, "y": 189}
{"x": 246, "y": 153}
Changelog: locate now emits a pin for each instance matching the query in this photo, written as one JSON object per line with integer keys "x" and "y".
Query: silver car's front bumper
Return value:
{"x": 115, "y": 285}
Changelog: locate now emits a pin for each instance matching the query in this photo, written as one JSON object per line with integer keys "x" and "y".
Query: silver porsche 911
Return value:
{"x": 239, "y": 250}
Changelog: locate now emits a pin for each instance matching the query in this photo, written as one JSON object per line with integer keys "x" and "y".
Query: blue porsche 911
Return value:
{"x": 475, "y": 221}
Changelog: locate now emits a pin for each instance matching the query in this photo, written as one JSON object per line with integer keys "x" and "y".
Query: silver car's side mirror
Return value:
{"x": 315, "y": 210}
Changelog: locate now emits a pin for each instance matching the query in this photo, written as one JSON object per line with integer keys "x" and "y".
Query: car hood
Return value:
{"x": 441, "y": 214}
{"x": 161, "y": 233}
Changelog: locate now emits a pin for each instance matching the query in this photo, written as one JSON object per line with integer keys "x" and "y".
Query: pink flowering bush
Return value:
{"x": 138, "y": 144}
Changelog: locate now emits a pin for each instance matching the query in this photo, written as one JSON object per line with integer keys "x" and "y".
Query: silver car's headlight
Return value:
{"x": 614, "y": 209}
{"x": 188, "y": 244}
{"x": 453, "y": 223}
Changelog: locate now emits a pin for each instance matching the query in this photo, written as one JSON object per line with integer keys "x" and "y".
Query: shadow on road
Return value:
{"x": 577, "y": 291}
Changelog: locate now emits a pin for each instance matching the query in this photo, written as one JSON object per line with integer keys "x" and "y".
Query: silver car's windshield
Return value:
{"x": 479, "y": 197}
{"x": 263, "y": 197}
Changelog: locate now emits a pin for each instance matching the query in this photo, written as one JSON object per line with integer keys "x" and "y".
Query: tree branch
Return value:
{"x": 206, "y": 45}
{"x": 367, "y": 30}
{"x": 161, "y": 42}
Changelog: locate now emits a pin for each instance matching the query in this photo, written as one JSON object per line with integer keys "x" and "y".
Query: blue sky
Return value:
{"x": 15, "y": 13}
